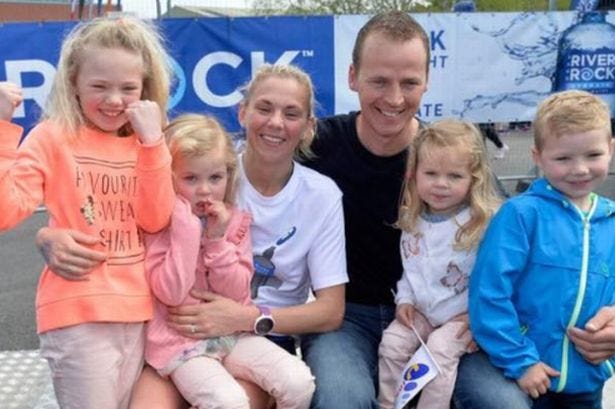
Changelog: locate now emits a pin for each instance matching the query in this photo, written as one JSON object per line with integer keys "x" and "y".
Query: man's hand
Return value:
{"x": 596, "y": 342}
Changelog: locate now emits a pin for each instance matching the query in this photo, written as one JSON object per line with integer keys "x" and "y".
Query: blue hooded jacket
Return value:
{"x": 543, "y": 266}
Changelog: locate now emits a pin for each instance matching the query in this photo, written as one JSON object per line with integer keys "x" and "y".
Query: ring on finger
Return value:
{"x": 192, "y": 328}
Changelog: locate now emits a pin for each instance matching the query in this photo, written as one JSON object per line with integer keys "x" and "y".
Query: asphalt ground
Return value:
{"x": 24, "y": 377}
{"x": 20, "y": 266}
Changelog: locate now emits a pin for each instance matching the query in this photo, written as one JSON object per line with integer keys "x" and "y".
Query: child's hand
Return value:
{"x": 218, "y": 217}
{"x": 405, "y": 314}
{"x": 536, "y": 380}
{"x": 10, "y": 98}
{"x": 146, "y": 120}
{"x": 465, "y": 328}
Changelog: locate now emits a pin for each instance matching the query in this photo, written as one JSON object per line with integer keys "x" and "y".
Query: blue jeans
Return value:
{"x": 285, "y": 342}
{"x": 345, "y": 362}
{"x": 480, "y": 385}
{"x": 592, "y": 400}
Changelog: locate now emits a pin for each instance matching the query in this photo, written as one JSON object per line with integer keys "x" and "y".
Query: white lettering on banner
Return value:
{"x": 581, "y": 60}
{"x": 594, "y": 70}
{"x": 179, "y": 89}
{"x": 199, "y": 79}
{"x": 257, "y": 58}
{"x": 587, "y": 74}
{"x": 15, "y": 68}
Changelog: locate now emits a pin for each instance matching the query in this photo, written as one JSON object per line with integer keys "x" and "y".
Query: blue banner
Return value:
{"x": 212, "y": 59}
{"x": 215, "y": 57}
{"x": 484, "y": 66}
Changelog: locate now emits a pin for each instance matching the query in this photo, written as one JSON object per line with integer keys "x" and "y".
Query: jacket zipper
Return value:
{"x": 580, "y": 295}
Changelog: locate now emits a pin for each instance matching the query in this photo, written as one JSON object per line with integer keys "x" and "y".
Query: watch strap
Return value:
{"x": 265, "y": 311}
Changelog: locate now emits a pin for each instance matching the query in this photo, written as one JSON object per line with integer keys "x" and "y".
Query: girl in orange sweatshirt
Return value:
{"x": 100, "y": 165}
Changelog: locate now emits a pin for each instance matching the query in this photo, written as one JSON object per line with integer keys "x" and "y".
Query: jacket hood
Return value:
{"x": 603, "y": 207}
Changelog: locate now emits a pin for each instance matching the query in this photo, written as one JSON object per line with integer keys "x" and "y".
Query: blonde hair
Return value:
{"x": 127, "y": 33}
{"x": 266, "y": 71}
{"x": 569, "y": 112}
{"x": 466, "y": 139}
{"x": 193, "y": 135}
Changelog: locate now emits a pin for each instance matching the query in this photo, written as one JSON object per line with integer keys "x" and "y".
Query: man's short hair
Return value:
{"x": 396, "y": 25}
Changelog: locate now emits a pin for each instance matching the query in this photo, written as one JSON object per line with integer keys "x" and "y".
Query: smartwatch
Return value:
{"x": 264, "y": 323}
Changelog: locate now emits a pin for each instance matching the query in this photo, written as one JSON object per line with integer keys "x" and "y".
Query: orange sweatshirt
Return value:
{"x": 99, "y": 184}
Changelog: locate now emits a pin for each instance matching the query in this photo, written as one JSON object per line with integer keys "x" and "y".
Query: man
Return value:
{"x": 365, "y": 154}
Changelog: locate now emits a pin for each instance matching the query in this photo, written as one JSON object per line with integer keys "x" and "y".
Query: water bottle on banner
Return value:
{"x": 586, "y": 58}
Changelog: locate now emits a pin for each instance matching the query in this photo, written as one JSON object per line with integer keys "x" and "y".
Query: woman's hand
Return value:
{"x": 68, "y": 253}
{"x": 216, "y": 316}
{"x": 596, "y": 343}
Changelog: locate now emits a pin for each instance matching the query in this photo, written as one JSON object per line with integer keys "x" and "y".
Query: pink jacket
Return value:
{"x": 180, "y": 258}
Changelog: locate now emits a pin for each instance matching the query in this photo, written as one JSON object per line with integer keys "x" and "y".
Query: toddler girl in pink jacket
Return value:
{"x": 207, "y": 246}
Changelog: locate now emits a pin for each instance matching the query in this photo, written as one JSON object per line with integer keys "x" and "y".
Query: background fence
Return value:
{"x": 45, "y": 10}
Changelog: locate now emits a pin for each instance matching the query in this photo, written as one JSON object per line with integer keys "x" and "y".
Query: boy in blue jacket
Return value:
{"x": 546, "y": 263}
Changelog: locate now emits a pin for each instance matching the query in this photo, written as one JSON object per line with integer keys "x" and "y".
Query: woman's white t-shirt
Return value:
{"x": 297, "y": 237}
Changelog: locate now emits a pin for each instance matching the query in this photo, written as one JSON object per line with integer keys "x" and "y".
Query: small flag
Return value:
{"x": 417, "y": 373}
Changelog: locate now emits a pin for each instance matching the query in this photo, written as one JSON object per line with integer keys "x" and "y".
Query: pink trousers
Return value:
{"x": 396, "y": 348}
{"x": 209, "y": 383}
{"x": 94, "y": 365}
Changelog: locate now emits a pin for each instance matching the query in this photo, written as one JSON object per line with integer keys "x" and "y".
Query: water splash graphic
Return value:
{"x": 534, "y": 40}
{"x": 538, "y": 55}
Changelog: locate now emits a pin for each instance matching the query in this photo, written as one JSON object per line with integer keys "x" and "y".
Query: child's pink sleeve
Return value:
{"x": 171, "y": 256}
{"x": 229, "y": 260}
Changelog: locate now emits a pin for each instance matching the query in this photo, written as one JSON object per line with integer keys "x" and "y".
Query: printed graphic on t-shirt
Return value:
{"x": 455, "y": 278}
{"x": 111, "y": 188}
{"x": 88, "y": 210}
{"x": 264, "y": 268}
{"x": 410, "y": 245}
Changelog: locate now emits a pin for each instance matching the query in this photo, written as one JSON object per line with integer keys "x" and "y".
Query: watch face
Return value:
{"x": 263, "y": 325}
